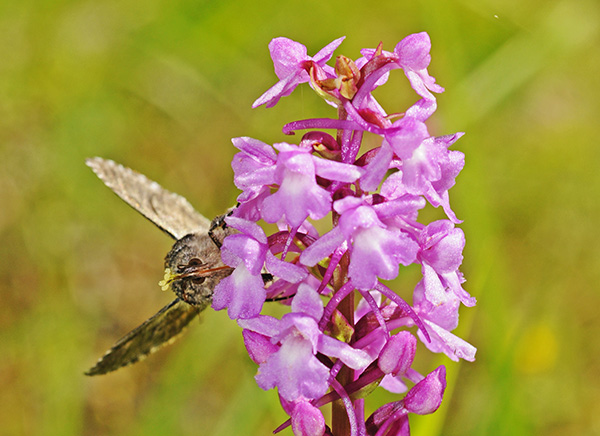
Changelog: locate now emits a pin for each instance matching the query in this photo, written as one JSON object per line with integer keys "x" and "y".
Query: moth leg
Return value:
{"x": 219, "y": 229}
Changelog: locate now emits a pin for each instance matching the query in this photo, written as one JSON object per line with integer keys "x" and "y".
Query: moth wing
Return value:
{"x": 161, "y": 329}
{"x": 170, "y": 212}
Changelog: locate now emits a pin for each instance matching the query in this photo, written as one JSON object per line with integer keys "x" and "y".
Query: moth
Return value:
{"x": 193, "y": 267}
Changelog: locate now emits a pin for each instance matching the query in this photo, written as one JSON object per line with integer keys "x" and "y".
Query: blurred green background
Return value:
{"x": 162, "y": 86}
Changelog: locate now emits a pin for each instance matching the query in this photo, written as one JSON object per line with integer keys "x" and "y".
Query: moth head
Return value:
{"x": 193, "y": 268}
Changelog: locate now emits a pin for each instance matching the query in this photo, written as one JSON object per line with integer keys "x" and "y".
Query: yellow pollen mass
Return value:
{"x": 166, "y": 281}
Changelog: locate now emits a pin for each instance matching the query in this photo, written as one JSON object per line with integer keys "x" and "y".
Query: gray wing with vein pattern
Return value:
{"x": 161, "y": 329}
{"x": 170, "y": 212}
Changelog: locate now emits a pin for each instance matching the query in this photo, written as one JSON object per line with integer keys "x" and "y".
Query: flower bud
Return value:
{"x": 426, "y": 396}
{"x": 397, "y": 355}
{"x": 307, "y": 420}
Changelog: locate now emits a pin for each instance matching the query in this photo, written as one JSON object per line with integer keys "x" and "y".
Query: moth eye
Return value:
{"x": 198, "y": 280}
{"x": 193, "y": 262}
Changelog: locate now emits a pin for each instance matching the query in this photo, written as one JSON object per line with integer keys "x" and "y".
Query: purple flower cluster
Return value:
{"x": 347, "y": 332}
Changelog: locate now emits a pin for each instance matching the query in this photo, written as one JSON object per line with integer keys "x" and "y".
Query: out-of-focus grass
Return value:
{"x": 163, "y": 86}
